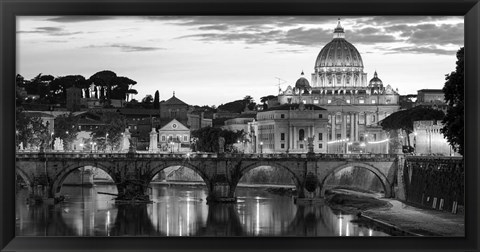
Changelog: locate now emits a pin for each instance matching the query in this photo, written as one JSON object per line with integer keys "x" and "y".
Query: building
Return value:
{"x": 288, "y": 128}
{"x": 173, "y": 108}
{"x": 174, "y": 137}
{"x": 428, "y": 140}
{"x": 240, "y": 123}
{"x": 74, "y": 96}
{"x": 139, "y": 122}
{"x": 197, "y": 121}
{"x": 434, "y": 98}
{"x": 339, "y": 85}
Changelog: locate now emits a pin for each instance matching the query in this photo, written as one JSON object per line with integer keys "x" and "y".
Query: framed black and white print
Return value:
{"x": 237, "y": 126}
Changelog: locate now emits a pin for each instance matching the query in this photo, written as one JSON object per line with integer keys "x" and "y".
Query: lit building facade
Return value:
{"x": 339, "y": 85}
{"x": 287, "y": 128}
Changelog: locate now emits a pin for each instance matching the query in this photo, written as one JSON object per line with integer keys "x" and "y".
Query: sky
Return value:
{"x": 211, "y": 60}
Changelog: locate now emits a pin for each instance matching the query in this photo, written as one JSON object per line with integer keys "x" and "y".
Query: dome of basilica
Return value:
{"x": 339, "y": 52}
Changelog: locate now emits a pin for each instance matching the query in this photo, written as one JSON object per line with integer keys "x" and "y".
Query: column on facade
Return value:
{"x": 352, "y": 128}
{"x": 356, "y": 126}
{"x": 294, "y": 137}
{"x": 344, "y": 126}
{"x": 333, "y": 127}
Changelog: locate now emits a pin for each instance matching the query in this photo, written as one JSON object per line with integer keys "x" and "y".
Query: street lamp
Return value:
{"x": 261, "y": 147}
{"x": 81, "y": 146}
{"x": 171, "y": 147}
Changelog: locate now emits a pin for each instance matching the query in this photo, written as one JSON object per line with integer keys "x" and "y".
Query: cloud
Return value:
{"x": 51, "y": 31}
{"x": 75, "y": 19}
{"x": 127, "y": 48}
{"x": 214, "y": 27}
{"x": 421, "y": 50}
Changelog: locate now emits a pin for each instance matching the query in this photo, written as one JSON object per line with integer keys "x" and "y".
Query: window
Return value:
{"x": 178, "y": 138}
{"x": 373, "y": 101}
{"x": 301, "y": 146}
{"x": 320, "y": 136}
{"x": 329, "y": 118}
{"x": 282, "y": 136}
{"x": 164, "y": 138}
{"x": 301, "y": 134}
{"x": 361, "y": 101}
{"x": 338, "y": 119}
{"x": 320, "y": 116}
{"x": 315, "y": 101}
{"x": 373, "y": 118}
{"x": 304, "y": 101}
{"x": 339, "y": 136}
{"x": 185, "y": 138}
{"x": 282, "y": 146}
{"x": 329, "y": 101}
{"x": 320, "y": 146}
{"x": 361, "y": 119}
{"x": 282, "y": 116}
{"x": 348, "y": 101}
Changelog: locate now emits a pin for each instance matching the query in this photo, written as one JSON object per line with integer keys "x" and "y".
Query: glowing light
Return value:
{"x": 340, "y": 225}
{"x": 362, "y": 145}
{"x": 347, "y": 231}
{"x": 339, "y": 141}
{"x": 257, "y": 227}
{"x": 370, "y": 232}
{"x": 381, "y": 141}
{"x": 188, "y": 216}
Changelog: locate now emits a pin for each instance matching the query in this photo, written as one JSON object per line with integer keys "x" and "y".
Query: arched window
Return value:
{"x": 301, "y": 134}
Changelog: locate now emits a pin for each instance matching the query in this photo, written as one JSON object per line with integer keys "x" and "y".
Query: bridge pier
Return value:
{"x": 131, "y": 190}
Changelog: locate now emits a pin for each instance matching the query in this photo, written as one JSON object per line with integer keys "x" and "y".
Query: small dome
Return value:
{"x": 375, "y": 81}
{"x": 302, "y": 83}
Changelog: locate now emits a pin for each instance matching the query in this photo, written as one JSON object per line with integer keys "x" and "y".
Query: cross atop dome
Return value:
{"x": 338, "y": 32}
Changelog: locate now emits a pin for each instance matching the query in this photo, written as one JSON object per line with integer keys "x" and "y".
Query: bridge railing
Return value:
{"x": 79, "y": 154}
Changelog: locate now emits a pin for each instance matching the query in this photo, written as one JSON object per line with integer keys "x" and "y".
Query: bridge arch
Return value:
{"x": 60, "y": 177}
{"x": 387, "y": 186}
{"x": 164, "y": 166}
{"x": 245, "y": 169}
{"x": 25, "y": 178}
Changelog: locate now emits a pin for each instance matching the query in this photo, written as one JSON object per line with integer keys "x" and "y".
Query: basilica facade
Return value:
{"x": 339, "y": 84}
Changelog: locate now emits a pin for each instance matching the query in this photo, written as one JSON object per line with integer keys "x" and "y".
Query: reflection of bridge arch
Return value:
{"x": 387, "y": 187}
{"x": 245, "y": 169}
{"x": 28, "y": 181}
{"x": 61, "y": 176}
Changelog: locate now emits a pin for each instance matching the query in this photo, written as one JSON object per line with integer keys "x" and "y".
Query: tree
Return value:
{"x": 207, "y": 138}
{"x": 58, "y": 87}
{"x": 66, "y": 128}
{"x": 114, "y": 125}
{"x": 31, "y": 132}
{"x": 454, "y": 122}
{"x": 117, "y": 87}
{"x": 156, "y": 100}
{"x": 147, "y": 101}
{"x": 265, "y": 99}
{"x": 403, "y": 119}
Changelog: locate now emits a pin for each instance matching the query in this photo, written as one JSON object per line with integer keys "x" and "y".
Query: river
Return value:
{"x": 181, "y": 211}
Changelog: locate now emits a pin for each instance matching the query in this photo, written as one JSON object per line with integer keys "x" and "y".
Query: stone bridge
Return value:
{"x": 44, "y": 173}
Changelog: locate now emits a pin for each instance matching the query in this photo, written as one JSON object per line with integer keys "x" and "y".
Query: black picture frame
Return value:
{"x": 470, "y": 9}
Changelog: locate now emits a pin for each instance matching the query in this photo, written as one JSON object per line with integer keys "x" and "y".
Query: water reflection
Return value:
{"x": 182, "y": 211}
